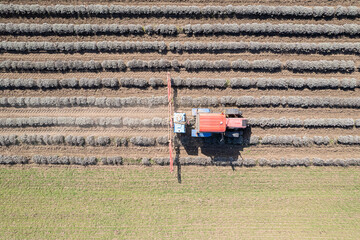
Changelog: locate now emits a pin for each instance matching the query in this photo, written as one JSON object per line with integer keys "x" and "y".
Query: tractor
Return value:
{"x": 204, "y": 123}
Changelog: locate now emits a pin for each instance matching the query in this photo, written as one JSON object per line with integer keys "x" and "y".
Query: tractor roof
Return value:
{"x": 211, "y": 122}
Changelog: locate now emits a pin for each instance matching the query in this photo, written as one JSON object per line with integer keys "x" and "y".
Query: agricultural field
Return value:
{"x": 135, "y": 202}
{"x": 83, "y": 91}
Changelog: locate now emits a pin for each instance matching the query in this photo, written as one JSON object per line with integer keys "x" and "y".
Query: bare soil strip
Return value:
{"x": 111, "y": 132}
{"x": 127, "y": 152}
{"x": 196, "y": 92}
{"x": 330, "y": 132}
{"x": 171, "y": 56}
{"x": 158, "y": 132}
{"x": 85, "y": 112}
{"x": 268, "y": 152}
{"x": 162, "y": 111}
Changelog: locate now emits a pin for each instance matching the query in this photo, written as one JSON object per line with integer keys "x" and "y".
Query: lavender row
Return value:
{"x": 177, "y": 47}
{"x": 174, "y": 11}
{"x": 251, "y": 162}
{"x": 264, "y": 65}
{"x": 83, "y": 122}
{"x": 261, "y": 83}
{"x": 29, "y": 83}
{"x": 70, "y": 140}
{"x": 285, "y": 29}
{"x": 81, "y": 101}
{"x": 199, "y": 161}
{"x": 186, "y": 101}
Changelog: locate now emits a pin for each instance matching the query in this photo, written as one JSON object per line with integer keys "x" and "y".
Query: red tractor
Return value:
{"x": 204, "y": 124}
{"x": 229, "y": 123}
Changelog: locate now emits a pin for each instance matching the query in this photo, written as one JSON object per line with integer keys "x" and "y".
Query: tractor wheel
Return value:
{"x": 232, "y": 111}
{"x": 232, "y": 134}
{"x": 191, "y": 122}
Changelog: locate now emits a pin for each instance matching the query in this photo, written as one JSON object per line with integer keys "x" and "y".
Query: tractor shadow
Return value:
{"x": 215, "y": 147}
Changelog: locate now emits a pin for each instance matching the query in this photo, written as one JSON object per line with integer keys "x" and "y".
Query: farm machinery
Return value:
{"x": 202, "y": 123}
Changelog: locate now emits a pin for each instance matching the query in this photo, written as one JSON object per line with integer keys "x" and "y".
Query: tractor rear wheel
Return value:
{"x": 232, "y": 134}
{"x": 233, "y": 111}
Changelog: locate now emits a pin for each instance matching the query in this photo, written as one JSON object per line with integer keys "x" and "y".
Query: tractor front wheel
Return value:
{"x": 233, "y": 111}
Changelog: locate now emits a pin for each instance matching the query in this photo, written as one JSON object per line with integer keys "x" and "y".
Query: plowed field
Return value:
{"x": 142, "y": 112}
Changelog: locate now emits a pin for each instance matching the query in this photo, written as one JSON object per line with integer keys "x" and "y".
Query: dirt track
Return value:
{"x": 162, "y": 151}
{"x": 138, "y": 112}
{"x": 162, "y": 112}
{"x": 171, "y": 56}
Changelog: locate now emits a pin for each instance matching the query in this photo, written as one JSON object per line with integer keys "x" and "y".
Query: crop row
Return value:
{"x": 27, "y": 83}
{"x": 268, "y": 83}
{"x": 285, "y": 29}
{"x": 35, "y": 139}
{"x": 265, "y": 65}
{"x": 295, "y": 83}
{"x": 289, "y": 140}
{"x": 64, "y": 160}
{"x": 73, "y": 47}
{"x": 39, "y": 159}
{"x": 296, "y": 141}
{"x": 201, "y": 161}
{"x": 320, "y": 66}
{"x": 13, "y": 159}
{"x": 186, "y": 101}
{"x": 162, "y": 122}
{"x": 244, "y": 83}
{"x": 173, "y": 11}
{"x": 249, "y": 162}
{"x": 80, "y": 101}
{"x": 70, "y": 140}
{"x": 256, "y": 65}
{"x": 83, "y": 122}
{"x": 306, "y": 123}
{"x": 274, "y": 47}
{"x": 270, "y": 101}
{"x": 86, "y": 29}
{"x": 177, "y": 47}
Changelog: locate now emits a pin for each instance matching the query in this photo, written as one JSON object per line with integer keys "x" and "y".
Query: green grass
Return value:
{"x": 134, "y": 202}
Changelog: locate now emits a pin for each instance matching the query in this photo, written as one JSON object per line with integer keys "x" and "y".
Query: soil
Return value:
{"x": 171, "y": 56}
{"x": 161, "y": 111}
